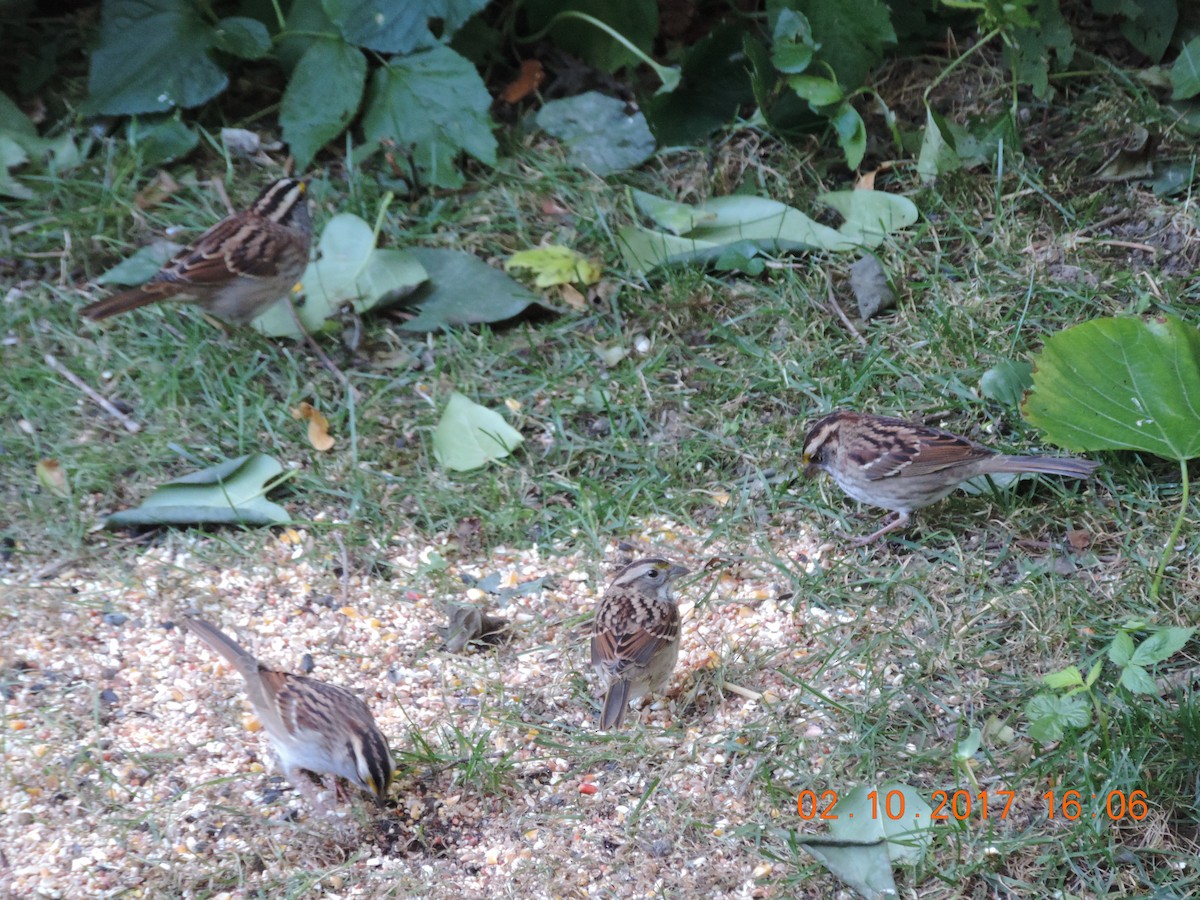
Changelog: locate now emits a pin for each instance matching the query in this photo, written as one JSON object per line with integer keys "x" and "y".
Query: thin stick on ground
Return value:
{"x": 130, "y": 425}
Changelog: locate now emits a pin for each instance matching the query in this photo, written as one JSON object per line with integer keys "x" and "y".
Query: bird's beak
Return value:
{"x": 677, "y": 572}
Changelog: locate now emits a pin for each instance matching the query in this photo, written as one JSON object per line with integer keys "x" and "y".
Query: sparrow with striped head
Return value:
{"x": 903, "y": 466}
{"x": 319, "y": 727}
{"x": 635, "y": 635}
{"x": 238, "y": 268}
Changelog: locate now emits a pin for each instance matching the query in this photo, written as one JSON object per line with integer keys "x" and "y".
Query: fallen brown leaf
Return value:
{"x": 318, "y": 426}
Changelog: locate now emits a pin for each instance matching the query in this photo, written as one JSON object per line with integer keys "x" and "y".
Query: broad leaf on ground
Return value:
{"x": 1120, "y": 384}
{"x": 142, "y": 266}
{"x": 349, "y": 268}
{"x": 1185, "y": 73}
{"x": 232, "y": 493}
{"x": 600, "y": 132}
{"x": 463, "y": 290}
{"x": 757, "y": 223}
{"x": 871, "y": 830}
{"x": 555, "y": 265}
{"x": 469, "y": 436}
{"x": 434, "y": 102}
{"x": 1006, "y": 382}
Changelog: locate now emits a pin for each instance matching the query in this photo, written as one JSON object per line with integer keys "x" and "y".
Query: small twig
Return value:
{"x": 104, "y": 404}
{"x": 836, "y": 309}
{"x": 1128, "y": 245}
{"x": 337, "y": 538}
{"x": 219, "y": 187}
{"x": 315, "y": 347}
{"x": 741, "y": 691}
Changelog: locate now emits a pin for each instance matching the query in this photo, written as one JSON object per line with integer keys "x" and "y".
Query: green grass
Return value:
{"x": 945, "y": 628}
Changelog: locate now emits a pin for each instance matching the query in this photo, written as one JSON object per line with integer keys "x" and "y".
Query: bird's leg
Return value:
{"x": 900, "y": 520}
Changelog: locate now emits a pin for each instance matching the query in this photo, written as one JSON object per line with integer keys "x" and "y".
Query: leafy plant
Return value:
{"x": 163, "y": 55}
{"x": 1065, "y": 707}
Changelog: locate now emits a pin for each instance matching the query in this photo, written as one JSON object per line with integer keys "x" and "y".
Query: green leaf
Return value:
{"x": 1029, "y": 47}
{"x": 1064, "y": 678}
{"x": 1120, "y": 384}
{"x": 1162, "y": 645}
{"x": 555, "y": 264}
{"x": 152, "y": 56}
{"x": 305, "y": 25}
{"x": 715, "y": 84}
{"x": 852, "y": 134}
{"x": 792, "y": 44}
{"x": 1150, "y": 31}
{"x": 434, "y": 102}
{"x": 463, "y": 290}
{"x": 817, "y": 91}
{"x": 1120, "y": 651}
{"x": 1050, "y": 715}
{"x": 469, "y": 436}
{"x": 968, "y": 746}
{"x": 1137, "y": 680}
{"x": 1185, "y": 73}
{"x": 399, "y": 27}
{"x": 140, "y": 267}
{"x": 865, "y": 867}
{"x": 1006, "y": 382}
{"x": 599, "y": 131}
{"x": 677, "y": 218}
{"x": 767, "y": 225}
{"x": 322, "y": 97}
{"x": 852, "y": 38}
{"x": 870, "y": 216}
{"x": 160, "y": 139}
{"x": 242, "y": 36}
{"x": 905, "y": 824}
{"x": 231, "y": 493}
{"x": 12, "y": 154}
{"x": 938, "y": 154}
{"x": 349, "y": 269}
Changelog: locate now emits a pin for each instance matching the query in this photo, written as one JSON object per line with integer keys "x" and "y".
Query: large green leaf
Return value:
{"x": 435, "y": 102}
{"x": 349, "y": 269}
{"x": 242, "y": 36}
{"x": 1185, "y": 73}
{"x": 232, "y": 493}
{"x": 703, "y": 233}
{"x": 152, "y": 56}
{"x": 599, "y": 131}
{"x": 715, "y": 84}
{"x": 469, "y": 436}
{"x": 850, "y": 42}
{"x": 1120, "y": 384}
{"x": 322, "y": 96}
{"x": 399, "y": 26}
{"x": 463, "y": 290}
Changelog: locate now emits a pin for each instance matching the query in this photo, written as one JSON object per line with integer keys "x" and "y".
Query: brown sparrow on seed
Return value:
{"x": 312, "y": 725}
{"x": 635, "y": 635}
{"x": 236, "y": 269}
{"x": 903, "y": 466}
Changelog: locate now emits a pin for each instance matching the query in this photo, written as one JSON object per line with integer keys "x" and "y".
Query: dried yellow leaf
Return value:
{"x": 318, "y": 426}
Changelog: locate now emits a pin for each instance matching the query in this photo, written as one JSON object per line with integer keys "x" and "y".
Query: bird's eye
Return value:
{"x": 653, "y": 574}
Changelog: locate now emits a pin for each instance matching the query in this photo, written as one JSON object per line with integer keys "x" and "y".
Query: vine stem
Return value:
{"x": 669, "y": 76}
{"x": 1183, "y": 507}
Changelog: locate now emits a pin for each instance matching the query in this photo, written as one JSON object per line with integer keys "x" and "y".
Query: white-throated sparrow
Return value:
{"x": 635, "y": 635}
{"x": 236, "y": 269}
{"x": 903, "y": 466}
{"x": 312, "y": 725}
